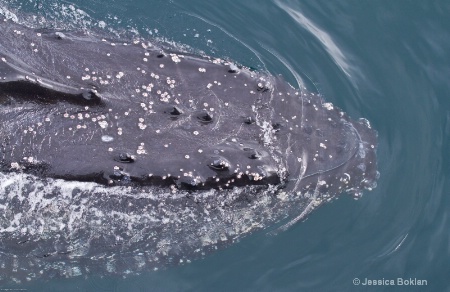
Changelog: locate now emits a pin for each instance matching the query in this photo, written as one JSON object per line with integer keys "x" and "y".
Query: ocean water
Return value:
{"x": 387, "y": 61}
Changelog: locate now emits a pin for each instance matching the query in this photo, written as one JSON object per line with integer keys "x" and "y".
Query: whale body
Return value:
{"x": 118, "y": 157}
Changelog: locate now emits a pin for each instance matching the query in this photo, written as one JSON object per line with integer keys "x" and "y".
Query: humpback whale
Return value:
{"x": 118, "y": 156}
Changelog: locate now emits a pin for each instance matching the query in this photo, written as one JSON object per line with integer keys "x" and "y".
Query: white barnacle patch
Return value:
{"x": 15, "y": 165}
{"x": 119, "y": 75}
{"x": 175, "y": 58}
{"x": 141, "y": 149}
{"x": 103, "y": 124}
{"x": 328, "y": 106}
{"x": 323, "y": 146}
{"x": 3, "y": 59}
{"x": 107, "y": 138}
{"x": 142, "y": 126}
{"x": 321, "y": 182}
{"x": 203, "y": 70}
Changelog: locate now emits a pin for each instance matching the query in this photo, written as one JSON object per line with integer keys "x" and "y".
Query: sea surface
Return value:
{"x": 387, "y": 61}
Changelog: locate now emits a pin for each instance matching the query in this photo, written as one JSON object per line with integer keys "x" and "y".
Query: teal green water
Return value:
{"x": 387, "y": 61}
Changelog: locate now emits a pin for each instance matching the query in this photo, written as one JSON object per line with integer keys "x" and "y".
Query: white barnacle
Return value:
{"x": 161, "y": 66}
{"x": 195, "y": 133}
{"x": 202, "y": 70}
{"x": 103, "y": 124}
{"x": 186, "y": 156}
{"x": 323, "y": 146}
{"x": 200, "y": 150}
{"x": 107, "y": 138}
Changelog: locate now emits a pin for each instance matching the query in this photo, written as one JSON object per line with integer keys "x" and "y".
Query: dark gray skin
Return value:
{"x": 117, "y": 157}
